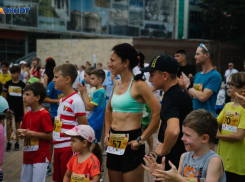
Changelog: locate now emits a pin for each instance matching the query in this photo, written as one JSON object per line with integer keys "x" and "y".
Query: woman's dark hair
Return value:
{"x": 49, "y": 69}
{"x": 96, "y": 150}
{"x": 127, "y": 52}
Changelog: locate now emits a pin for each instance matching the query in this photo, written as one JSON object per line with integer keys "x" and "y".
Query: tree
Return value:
{"x": 224, "y": 20}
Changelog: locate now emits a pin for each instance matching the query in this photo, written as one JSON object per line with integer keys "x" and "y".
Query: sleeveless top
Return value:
{"x": 125, "y": 102}
{"x": 197, "y": 168}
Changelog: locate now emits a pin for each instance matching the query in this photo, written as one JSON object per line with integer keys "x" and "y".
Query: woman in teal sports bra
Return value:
{"x": 123, "y": 134}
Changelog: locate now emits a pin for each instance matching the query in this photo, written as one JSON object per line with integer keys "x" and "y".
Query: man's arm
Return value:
{"x": 201, "y": 96}
{"x": 170, "y": 137}
{"x": 233, "y": 137}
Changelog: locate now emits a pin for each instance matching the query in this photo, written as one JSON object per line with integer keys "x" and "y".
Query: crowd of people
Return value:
{"x": 71, "y": 115}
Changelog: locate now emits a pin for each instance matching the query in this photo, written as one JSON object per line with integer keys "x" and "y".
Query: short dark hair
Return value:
{"x": 181, "y": 51}
{"x": 100, "y": 64}
{"x": 67, "y": 69}
{"x": 5, "y": 63}
{"x": 171, "y": 75}
{"x": 88, "y": 70}
{"x": 38, "y": 89}
{"x": 14, "y": 69}
{"x": 202, "y": 122}
{"x": 99, "y": 73}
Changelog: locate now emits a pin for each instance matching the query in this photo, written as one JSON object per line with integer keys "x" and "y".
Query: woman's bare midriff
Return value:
{"x": 126, "y": 121}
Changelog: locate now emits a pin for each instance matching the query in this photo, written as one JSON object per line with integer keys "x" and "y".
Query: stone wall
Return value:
{"x": 77, "y": 51}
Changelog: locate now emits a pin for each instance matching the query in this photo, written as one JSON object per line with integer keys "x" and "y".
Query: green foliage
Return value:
{"x": 224, "y": 19}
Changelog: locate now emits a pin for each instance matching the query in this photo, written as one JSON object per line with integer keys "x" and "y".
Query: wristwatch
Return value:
{"x": 140, "y": 141}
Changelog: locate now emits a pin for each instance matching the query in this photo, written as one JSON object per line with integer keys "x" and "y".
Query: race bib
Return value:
{"x": 57, "y": 127}
{"x": 60, "y": 96}
{"x": 194, "y": 179}
{"x": 230, "y": 121}
{"x": 117, "y": 143}
{"x": 15, "y": 91}
{"x": 79, "y": 177}
{"x": 197, "y": 87}
{"x": 31, "y": 144}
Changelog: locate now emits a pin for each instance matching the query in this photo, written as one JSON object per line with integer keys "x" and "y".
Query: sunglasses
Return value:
{"x": 203, "y": 46}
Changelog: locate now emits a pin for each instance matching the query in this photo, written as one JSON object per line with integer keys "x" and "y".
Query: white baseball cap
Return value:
{"x": 23, "y": 62}
{"x": 84, "y": 131}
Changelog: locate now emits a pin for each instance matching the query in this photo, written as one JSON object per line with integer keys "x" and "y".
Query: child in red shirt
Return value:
{"x": 84, "y": 166}
{"x": 36, "y": 129}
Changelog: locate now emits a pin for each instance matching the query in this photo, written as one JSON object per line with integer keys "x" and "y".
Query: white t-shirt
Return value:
{"x": 228, "y": 74}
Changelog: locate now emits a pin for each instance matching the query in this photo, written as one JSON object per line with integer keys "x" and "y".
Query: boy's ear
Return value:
{"x": 68, "y": 79}
{"x": 205, "y": 138}
{"x": 38, "y": 97}
{"x": 100, "y": 79}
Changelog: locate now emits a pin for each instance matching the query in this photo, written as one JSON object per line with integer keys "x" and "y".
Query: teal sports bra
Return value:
{"x": 125, "y": 102}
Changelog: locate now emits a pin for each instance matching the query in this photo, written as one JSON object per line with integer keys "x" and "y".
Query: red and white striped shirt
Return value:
{"x": 69, "y": 108}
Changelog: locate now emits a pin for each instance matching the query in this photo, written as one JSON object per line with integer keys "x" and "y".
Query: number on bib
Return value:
{"x": 31, "y": 144}
{"x": 117, "y": 143}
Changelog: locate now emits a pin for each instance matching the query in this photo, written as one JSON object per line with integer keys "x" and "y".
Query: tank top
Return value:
{"x": 197, "y": 168}
{"x": 125, "y": 102}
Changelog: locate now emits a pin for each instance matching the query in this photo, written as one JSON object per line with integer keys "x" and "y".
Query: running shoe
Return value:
{"x": 8, "y": 148}
{"x": 16, "y": 146}
{"x": 49, "y": 171}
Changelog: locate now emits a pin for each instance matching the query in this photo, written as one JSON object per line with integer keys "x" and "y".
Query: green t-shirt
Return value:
{"x": 232, "y": 153}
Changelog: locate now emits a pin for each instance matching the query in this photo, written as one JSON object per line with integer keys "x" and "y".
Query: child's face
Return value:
{"x": 29, "y": 99}
{"x": 59, "y": 81}
{"x": 77, "y": 145}
{"x": 231, "y": 89}
{"x": 34, "y": 62}
{"x": 191, "y": 139}
{"x": 94, "y": 80}
{"x": 86, "y": 78}
{"x": 4, "y": 69}
{"x": 15, "y": 76}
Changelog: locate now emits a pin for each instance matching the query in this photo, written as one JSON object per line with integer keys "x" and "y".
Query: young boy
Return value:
{"x": 71, "y": 112}
{"x": 3, "y": 110}
{"x": 5, "y": 75}
{"x": 14, "y": 95}
{"x": 98, "y": 103}
{"x": 199, "y": 163}
{"x": 36, "y": 129}
{"x": 90, "y": 89}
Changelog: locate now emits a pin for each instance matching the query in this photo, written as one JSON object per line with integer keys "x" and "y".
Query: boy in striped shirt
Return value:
{"x": 71, "y": 112}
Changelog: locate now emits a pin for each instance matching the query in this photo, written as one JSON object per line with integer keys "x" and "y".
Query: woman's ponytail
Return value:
{"x": 141, "y": 61}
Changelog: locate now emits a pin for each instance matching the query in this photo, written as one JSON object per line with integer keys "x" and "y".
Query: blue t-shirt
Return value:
{"x": 211, "y": 80}
{"x": 52, "y": 93}
{"x": 108, "y": 83}
{"x": 96, "y": 116}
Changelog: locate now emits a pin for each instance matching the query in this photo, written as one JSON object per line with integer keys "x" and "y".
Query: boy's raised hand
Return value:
{"x": 240, "y": 99}
{"x": 167, "y": 176}
{"x": 81, "y": 88}
{"x": 151, "y": 164}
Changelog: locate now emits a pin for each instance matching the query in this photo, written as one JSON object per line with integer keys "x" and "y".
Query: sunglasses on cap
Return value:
{"x": 203, "y": 46}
